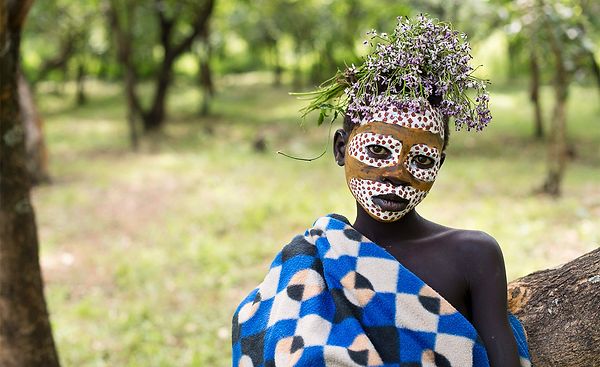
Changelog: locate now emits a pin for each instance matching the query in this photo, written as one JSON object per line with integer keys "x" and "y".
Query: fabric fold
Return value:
{"x": 334, "y": 298}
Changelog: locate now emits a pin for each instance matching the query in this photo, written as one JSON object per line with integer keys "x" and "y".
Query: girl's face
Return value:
{"x": 392, "y": 161}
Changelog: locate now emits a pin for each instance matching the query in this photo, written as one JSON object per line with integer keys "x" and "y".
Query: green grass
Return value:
{"x": 147, "y": 254}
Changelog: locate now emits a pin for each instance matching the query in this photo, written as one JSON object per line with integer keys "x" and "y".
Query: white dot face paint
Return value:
{"x": 393, "y": 161}
{"x": 358, "y": 148}
{"x": 423, "y": 162}
{"x": 430, "y": 120}
{"x": 365, "y": 190}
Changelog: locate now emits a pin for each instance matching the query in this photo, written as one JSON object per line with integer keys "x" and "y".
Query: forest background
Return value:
{"x": 152, "y": 129}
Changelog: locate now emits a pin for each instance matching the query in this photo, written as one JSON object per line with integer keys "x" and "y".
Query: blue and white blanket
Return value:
{"x": 334, "y": 298}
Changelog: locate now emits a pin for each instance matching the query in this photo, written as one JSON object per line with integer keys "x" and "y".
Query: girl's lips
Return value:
{"x": 390, "y": 202}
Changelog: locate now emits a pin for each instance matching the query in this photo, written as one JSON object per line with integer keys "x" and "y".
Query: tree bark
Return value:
{"x": 560, "y": 313}
{"x": 205, "y": 75}
{"x": 80, "y": 98}
{"x": 123, "y": 40}
{"x": 534, "y": 94}
{"x": 25, "y": 333}
{"x": 35, "y": 145}
{"x": 557, "y": 147}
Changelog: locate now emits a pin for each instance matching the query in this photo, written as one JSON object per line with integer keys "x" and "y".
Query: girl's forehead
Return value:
{"x": 429, "y": 119}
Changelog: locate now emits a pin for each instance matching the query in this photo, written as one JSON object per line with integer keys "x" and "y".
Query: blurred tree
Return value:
{"x": 205, "y": 74}
{"x": 65, "y": 36}
{"x": 25, "y": 333}
{"x": 134, "y": 23}
{"x": 555, "y": 34}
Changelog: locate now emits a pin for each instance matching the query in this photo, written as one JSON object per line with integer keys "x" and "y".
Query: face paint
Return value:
{"x": 392, "y": 161}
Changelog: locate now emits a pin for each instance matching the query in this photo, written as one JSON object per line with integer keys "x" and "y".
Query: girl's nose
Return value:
{"x": 396, "y": 177}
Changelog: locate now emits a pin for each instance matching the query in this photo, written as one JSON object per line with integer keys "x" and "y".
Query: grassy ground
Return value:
{"x": 147, "y": 254}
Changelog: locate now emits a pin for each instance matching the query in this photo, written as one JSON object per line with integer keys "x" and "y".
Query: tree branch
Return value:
{"x": 198, "y": 26}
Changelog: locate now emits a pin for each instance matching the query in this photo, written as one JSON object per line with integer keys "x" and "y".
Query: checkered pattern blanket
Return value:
{"x": 334, "y": 298}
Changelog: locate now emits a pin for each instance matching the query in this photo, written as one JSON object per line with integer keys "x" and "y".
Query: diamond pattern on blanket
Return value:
{"x": 305, "y": 284}
{"x": 448, "y": 344}
{"x": 289, "y": 350}
{"x": 410, "y": 314}
{"x": 268, "y": 288}
{"x": 283, "y": 308}
{"x": 433, "y": 299}
{"x": 345, "y": 246}
{"x": 382, "y": 273}
{"x": 333, "y": 298}
{"x": 314, "y": 330}
{"x": 249, "y": 309}
{"x": 357, "y": 289}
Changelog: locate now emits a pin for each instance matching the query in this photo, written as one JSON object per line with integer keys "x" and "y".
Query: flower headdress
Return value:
{"x": 423, "y": 57}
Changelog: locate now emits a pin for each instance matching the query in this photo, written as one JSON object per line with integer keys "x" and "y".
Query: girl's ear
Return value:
{"x": 339, "y": 146}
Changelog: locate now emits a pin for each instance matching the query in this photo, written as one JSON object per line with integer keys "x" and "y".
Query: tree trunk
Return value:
{"x": 123, "y": 40}
{"x": 535, "y": 95}
{"x": 595, "y": 68}
{"x": 25, "y": 334}
{"x": 277, "y": 68}
{"x": 205, "y": 76}
{"x": 559, "y": 311}
{"x": 154, "y": 118}
{"x": 557, "y": 147}
{"x": 35, "y": 146}
{"x": 81, "y": 98}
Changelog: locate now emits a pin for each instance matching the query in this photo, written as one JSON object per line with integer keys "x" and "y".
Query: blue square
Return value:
{"x": 343, "y": 334}
{"x": 412, "y": 343}
{"x": 321, "y": 305}
{"x": 380, "y": 311}
{"x": 408, "y": 282}
{"x": 335, "y": 224}
{"x": 371, "y": 250}
{"x": 291, "y": 267}
{"x": 456, "y": 324}
{"x": 312, "y": 356}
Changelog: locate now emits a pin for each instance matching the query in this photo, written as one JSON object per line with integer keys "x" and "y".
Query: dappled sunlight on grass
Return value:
{"x": 147, "y": 254}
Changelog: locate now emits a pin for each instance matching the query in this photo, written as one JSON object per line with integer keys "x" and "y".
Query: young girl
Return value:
{"x": 393, "y": 288}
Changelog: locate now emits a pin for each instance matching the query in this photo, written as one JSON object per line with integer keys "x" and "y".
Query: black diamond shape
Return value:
{"x": 315, "y": 232}
{"x": 343, "y": 308}
{"x": 431, "y": 304}
{"x": 360, "y": 282}
{"x": 295, "y": 291}
{"x": 353, "y": 234}
{"x": 252, "y": 346}
{"x": 341, "y": 218}
{"x": 385, "y": 341}
{"x": 297, "y": 343}
{"x": 441, "y": 361}
{"x": 360, "y": 357}
{"x": 298, "y": 246}
{"x": 235, "y": 329}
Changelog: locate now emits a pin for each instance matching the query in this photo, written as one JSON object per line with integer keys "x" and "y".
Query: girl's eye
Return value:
{"x": 423, "y": 161}
{"x": 377, "y": 151}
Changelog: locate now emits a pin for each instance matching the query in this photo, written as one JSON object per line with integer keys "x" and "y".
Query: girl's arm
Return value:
{"x": 487, "y": 283}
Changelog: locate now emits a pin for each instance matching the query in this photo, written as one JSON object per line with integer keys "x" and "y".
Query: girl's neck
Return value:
{"x": 410, "y": 227}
